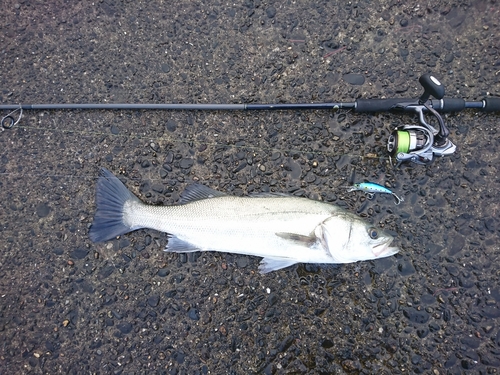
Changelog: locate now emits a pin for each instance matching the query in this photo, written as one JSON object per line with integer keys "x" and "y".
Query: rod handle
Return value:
{"x": 448, "y": 105}
{"x": 381, "y": 105}
{"x": 491, "y": 104}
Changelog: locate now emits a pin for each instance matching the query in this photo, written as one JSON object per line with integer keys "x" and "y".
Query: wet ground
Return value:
{"x": 70, "y": 306}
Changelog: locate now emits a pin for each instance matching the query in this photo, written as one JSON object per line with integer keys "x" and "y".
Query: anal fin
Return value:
{"x": 273, "y": 264}
{"x": 176, "y": 245}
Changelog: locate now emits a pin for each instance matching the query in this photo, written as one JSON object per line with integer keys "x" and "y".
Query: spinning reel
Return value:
{"x": 420, "y": 143}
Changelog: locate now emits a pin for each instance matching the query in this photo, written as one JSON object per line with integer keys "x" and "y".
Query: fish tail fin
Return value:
{"x": 111, "y": 196}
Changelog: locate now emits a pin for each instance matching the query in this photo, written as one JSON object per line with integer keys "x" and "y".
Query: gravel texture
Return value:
{"x": 126, "y": 307}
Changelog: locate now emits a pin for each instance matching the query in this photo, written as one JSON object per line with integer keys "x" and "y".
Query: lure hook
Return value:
{"x": 398, "y": 199}
{"x": 8, "y": 120}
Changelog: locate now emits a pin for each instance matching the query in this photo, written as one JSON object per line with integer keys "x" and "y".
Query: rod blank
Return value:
{"x": 181, "y": 106}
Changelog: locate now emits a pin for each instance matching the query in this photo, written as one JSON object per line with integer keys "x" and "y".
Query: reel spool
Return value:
{"x": 411, "y": 143}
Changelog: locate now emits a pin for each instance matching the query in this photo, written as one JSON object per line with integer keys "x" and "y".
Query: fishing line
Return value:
{"x": 167, "y": 140}
{"x": 150, "y": 138}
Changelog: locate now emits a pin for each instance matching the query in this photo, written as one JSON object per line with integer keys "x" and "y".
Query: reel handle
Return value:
{"x": 432, "y": 87}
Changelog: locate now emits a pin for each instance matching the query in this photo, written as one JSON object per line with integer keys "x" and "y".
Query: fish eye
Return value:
{"x": 372, "y": 232}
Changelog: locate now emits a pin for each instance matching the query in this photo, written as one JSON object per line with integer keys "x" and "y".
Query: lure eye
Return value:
{"x": 372, "y": 232}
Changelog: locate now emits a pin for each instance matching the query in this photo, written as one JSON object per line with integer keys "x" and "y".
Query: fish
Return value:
{"x": 370, "y": 188}
{"x": 282, "y": 229}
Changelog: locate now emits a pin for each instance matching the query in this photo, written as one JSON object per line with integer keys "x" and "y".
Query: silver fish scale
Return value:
{"x": 234, "y": 224}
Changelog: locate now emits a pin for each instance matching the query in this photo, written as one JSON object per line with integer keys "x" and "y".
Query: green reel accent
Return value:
{"x": 403, "y": 141}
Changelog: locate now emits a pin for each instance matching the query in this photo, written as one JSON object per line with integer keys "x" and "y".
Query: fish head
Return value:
{"x": 348, "y": 238}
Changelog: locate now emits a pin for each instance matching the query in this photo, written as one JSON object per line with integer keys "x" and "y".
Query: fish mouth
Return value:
{"x": 384, "y": 249}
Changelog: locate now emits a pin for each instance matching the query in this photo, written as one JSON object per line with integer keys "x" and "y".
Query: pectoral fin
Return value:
{"x": 273, "y": 264}
{"x": 298, "y": 239}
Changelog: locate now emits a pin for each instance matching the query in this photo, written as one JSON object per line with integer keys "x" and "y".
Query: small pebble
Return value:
{"x": 271, "y": 12}
{"x": 194, "y": 314}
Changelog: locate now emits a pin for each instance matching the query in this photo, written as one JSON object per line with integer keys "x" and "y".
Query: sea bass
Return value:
{"x": 282, "y": 229}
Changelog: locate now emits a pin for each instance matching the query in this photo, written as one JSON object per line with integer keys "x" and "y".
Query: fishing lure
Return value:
{"x": 371, "y": 188}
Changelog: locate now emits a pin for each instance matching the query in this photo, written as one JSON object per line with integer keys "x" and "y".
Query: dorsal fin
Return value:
{"x": 196, "y": 192}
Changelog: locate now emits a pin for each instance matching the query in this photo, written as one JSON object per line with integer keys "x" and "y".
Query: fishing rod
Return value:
{"x": 416, "y": 143}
